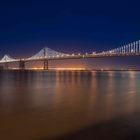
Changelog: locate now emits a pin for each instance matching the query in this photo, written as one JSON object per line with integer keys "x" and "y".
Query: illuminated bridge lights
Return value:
{"x": 130, "y": 49}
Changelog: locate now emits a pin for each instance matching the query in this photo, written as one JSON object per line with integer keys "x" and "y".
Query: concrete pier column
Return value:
{"x": 46, "y": 64}
{"x": 21, "y": 65}
{"x": 6, "y": 66}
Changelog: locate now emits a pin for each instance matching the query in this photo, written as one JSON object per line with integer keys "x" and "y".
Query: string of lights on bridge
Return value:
{"x": 47, "y": 53}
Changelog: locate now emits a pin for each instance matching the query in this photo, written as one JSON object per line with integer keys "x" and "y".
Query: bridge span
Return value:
{"x": 47, "y": 54}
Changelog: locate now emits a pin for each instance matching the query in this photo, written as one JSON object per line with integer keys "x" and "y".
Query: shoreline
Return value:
{"x": 98, "y": 70}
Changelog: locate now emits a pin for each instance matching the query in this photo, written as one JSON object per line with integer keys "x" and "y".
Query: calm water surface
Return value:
{"x": 40, "y": 105}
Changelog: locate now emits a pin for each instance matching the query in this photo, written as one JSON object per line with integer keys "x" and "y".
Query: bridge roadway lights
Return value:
{"x": 21, "y": 65}
{"x": 46, "y": 65}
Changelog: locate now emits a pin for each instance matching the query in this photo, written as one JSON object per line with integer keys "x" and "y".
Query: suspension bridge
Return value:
{"x": 47, "y": 54}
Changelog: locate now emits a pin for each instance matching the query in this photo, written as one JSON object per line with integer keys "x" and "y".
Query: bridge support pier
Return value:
{"x": 6, "y": 66}
{"x": 46, "y": 64}
{"x": 21, "y": 65}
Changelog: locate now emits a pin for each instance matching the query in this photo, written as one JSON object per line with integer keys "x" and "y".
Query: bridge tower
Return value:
{"x": 46, "y": 64}
{"x": 6, "y": 63}
{"x": 21, "y": 64}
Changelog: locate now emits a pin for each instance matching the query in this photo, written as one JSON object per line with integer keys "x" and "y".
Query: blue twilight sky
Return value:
{"x": 26, "y": 26}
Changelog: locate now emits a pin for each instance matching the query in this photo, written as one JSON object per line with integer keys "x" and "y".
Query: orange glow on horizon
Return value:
{"x": 41, "y": 68}
{"x": 68, "y": 68}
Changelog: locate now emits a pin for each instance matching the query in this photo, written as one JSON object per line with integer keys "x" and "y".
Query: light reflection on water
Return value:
{"x": 35, "y": 104}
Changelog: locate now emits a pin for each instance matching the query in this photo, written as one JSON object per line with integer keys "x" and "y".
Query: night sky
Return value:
{"x": 69, "y": 26}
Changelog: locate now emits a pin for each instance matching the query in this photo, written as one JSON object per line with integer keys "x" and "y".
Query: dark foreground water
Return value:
{"x": 73, "y": 105}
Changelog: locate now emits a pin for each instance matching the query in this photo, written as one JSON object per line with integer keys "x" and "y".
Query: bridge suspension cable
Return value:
{"x": 130, "y": 49}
